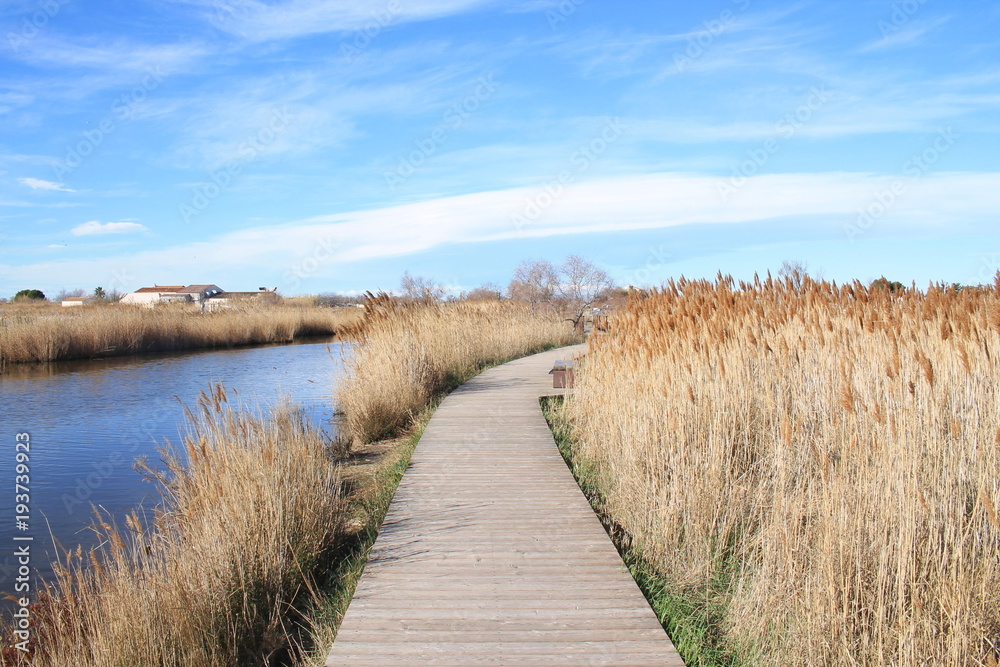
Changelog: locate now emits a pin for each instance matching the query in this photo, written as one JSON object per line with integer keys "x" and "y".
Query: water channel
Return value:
{"x": 89, "y": 420}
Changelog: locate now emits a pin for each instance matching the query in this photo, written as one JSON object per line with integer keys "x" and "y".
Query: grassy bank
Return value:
{"x": 409, "y": 354}
{"x": 47, "y": 332}
{"x": 812, "y": 475}
{"x": 265, "y": 526}
{"x": 693, "y": 626}
{"x": 252, "y": 508}
{"x": 372, "y": 473}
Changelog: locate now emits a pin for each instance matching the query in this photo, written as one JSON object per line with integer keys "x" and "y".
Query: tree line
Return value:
{"x": 38, "y": 295}
{"x": 569, "y": 288}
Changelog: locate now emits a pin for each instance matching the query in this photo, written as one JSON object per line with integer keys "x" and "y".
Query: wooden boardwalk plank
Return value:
{"x": 490, "y": 554}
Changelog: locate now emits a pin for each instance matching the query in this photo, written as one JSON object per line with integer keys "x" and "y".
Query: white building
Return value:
{"x": 201, "y": 293}
{"x": 150, "y": 296}
{"x": 71, "y": 301}
{"x": 233, "y": 299}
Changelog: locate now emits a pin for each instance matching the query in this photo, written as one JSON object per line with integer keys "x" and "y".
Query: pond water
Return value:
{"x": 89, "y": 420}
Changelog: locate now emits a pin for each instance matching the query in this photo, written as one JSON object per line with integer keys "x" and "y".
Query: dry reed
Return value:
{"x": 410, "y": 352}
{"x": 251, "y": 506}
{"x": 47, "y": 332}
{"x": 823, "y": 462}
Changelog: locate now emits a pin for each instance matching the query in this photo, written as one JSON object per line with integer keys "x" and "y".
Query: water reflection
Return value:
{"x": 89, "y": 420}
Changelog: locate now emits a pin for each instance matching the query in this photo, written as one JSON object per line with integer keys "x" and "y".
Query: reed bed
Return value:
{"x": 252, "y": 504}
{"x": 408, "y": 353}
{"x": 48, "y": 332}
{"x": 254, "y": 509}
{"x": 820, "y": 462}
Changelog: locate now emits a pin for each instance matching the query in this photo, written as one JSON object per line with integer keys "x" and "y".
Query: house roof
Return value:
{"x": 78, "y": 298}
{"x": 196, "y": 289}
{"x": 161, "y": 288}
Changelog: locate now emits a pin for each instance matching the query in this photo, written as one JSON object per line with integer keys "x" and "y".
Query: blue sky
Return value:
{"x": 330, "y": 146}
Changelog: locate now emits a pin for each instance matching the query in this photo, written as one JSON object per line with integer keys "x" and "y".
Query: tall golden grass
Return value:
{"x": 409, "y": 352}
{"x": 251, "y": 506}
{"x": 823, "y": 462}
{"x": 254, "y": 509}
{"x": 47, "y": 332}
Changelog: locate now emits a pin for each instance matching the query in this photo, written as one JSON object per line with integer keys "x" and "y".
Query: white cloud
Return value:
{"x": 39, "y": 184}
{"x": 95, "y": 227}
{"x": 121, "y": 60}
{"x": 318, "y": 247}
{"x": 321, "y": 106}
{"x": 264, "y": 21}
{"x": 909, "y": 35}
{"x": 527, "y": 6}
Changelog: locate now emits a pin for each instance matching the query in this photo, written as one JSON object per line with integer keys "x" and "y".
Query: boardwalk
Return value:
{"x": 490, "y": 554}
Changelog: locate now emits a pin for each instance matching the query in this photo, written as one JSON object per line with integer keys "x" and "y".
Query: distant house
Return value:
{"x": 209, "y": 297}
{"x": 71, "y": 301}
{"x": 231, "y": 299}
{"x": 151, "y": 296}
{"x": 200, "y": 293}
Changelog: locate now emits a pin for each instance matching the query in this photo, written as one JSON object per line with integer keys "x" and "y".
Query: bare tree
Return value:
{"x": 582, "y": 283}
{"x": 333, "y": 299}
{"x": 794, "y": 271}
{"x": 66, "y": 294}
{"x": 571, "y": 288}
{"x": 535, "y": 281}
{"x": 419, "y": 288}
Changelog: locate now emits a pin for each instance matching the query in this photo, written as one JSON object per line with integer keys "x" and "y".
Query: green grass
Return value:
{"x": 693, "y": 623}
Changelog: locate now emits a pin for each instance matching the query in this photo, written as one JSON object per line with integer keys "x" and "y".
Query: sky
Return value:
{"x": 330, "y": 146}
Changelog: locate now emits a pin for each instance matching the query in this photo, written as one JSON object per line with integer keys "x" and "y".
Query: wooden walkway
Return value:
{"x": 491, "y": 554}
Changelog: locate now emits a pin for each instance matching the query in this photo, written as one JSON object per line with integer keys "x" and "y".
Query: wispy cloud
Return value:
{"x": 39, "y": 184}
{"x": 14, "y": 99}
{"x": 261, "y": 21}
{"x": 698, "y": 90}
{"x": 63, "y": 73}
{"x": 528, "y": 6}
{"x": 650, "y": 202}
{"x": 323, "y": 109}
{"x": 95, "y": 227}
{"x": 123, "y": 56}
{"x": 906, "y": 36}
